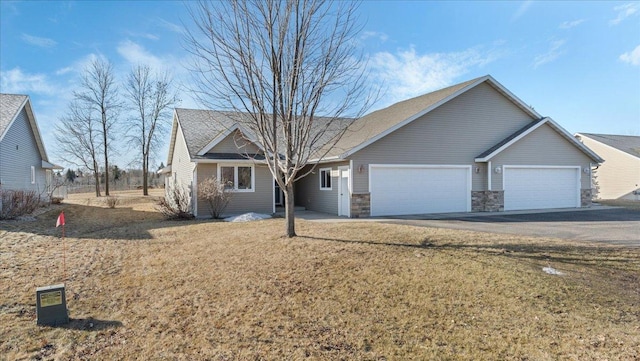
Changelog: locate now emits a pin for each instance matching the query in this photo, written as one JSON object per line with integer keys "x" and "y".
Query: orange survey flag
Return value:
{"x": 60, "y": 221}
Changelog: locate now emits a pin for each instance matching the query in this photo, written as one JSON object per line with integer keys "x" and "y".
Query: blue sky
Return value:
{"x": 577, "y": 62}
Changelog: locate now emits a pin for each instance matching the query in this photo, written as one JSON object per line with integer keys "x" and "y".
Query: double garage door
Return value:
{"x": 421, "y": 189}
{"x": 417, "y": 189}
{"x": 541, "y": 187}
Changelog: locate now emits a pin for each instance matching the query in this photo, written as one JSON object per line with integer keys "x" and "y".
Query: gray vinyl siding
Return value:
{"x": 260, "y": 201}
{"x": 543, "y": 146}
{"x": 18, "y": 152}
{"x": 619, "y": 175}
{"x": 234, "y": 143}
{"x": 181, "y": 164}
{"x": 454, "y": 133}
{"x": 309, "y": 195}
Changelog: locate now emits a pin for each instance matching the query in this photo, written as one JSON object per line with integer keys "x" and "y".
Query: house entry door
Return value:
{"x": 344, "y": 203}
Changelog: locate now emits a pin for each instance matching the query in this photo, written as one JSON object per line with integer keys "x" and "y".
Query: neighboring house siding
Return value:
{"x": 260, "y": 201}
{"x": 15, "y": 164}
{"x": 181, "y": 165}
{"x": 544, "y": 146}
{"x": 234, "y": 143}
{"x": 309, "y": 195}
{"x": 619, "y": 176}
{"x": 454, "y": 133}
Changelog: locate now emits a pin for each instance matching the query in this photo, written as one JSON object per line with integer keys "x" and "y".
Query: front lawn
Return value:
{"x": 140, "y": 287}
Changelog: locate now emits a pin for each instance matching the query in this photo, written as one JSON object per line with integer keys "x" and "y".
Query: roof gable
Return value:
{"x": 10, "y": 107}
{"x": 629, "y": 144}
{"x": 202, "y": 129}
{"x": 528, "y": 129}
{"x": 380, "y": 123}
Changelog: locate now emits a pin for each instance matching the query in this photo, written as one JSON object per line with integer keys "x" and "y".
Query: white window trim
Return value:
{"x": 33, "y": 175}
{"x": 328, "y": 171}
{"x": 235, "y": 177}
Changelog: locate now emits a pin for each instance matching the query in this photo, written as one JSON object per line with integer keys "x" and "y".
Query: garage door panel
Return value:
{"x": 398, "y": 190}
{"x": 540, "y": 188}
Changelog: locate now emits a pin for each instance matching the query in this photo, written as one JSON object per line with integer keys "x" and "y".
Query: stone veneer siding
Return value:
{"x": 487, "y": 201}
{"x": 586, "y": 195}
{"x": 360, "y": 205}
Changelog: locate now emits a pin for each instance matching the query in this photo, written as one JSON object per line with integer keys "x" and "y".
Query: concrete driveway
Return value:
{"x": 618, "y": 226}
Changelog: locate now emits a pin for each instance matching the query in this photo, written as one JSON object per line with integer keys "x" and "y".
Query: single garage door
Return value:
{"x": 417, "y": 189}
{"x": 541, "y": 187}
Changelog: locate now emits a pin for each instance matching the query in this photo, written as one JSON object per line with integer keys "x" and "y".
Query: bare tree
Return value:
{"x": 78, "y": 138}
{"x": 151, "y": 97}
{"x": 100, "y": 93}
{"x": 291, "y": 66}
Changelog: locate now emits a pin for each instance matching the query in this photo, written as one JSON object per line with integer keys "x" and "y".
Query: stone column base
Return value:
{"x": 487, "y": 201}
{"x": 586, "y": 195}
{"x": 360, "y": 205}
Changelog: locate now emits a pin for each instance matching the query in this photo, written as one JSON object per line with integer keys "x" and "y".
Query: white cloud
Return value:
{"x": 64, "y": 70}
{"x": 632, "y": 57}
{"x": 135, "y": 54}
{"x": 571, "y": 24}
{"x": 406, "y": 73}
{"x": 14, "y": 81}
{"x": 624, "y": 11}
{"x": 170, "y": 26}
{"x": 555, "y": 50}
{"x": 522, "y": 9}
{"x": 143, "y": 35}
{"x": 374, "y": 34}
{"x": 38, "y": 41}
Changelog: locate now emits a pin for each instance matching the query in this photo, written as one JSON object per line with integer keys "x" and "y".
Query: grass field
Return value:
{"x": 139, "y": 287}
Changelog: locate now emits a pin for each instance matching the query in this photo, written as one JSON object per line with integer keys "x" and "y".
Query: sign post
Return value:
{"x": 51, "y": 301}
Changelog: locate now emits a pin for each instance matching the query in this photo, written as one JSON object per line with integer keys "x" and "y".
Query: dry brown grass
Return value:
{"x": 210, "y": 290}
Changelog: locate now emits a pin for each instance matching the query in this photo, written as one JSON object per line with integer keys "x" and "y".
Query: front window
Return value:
{"x": 325, "y": 179}
{"x": 237, "y": 178}
{"x": 227, "y": 174}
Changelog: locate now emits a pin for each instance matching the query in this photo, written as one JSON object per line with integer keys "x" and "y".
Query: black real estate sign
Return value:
{"x": 51, "y": 305}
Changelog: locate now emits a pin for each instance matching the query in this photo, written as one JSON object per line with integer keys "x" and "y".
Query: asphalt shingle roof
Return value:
{"x": 510, "y": 138}
{"x": 9, "y": 106}
{"x": 200, "y": 127}
{"x": 629, "y": 144}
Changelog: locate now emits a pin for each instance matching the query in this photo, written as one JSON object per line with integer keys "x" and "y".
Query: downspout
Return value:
{"x": 489, "y": 175}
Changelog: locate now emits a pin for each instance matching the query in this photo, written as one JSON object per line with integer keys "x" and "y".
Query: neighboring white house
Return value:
{"x": 619, "y": 176}
{"x": 24, "y": 164}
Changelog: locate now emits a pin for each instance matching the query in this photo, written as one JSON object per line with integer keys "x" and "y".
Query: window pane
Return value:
{"x": 226, "y": 173}
{"x": 325, "y": 179}
{"x": 244, "y": 177}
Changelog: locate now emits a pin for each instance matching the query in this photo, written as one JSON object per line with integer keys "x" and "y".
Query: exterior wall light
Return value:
{"x": 498, "y": 170}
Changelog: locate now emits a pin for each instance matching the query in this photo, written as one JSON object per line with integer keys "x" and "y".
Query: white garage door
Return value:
{"x": 541, "y": 187}
{"x": 416, "y": 189}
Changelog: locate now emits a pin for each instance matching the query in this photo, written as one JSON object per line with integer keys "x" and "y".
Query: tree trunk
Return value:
{"x": 106, "y": 170}
{"x": 96, "y": 175}
{"x": 145, "y": 176}
{"x": 289, "y": 212}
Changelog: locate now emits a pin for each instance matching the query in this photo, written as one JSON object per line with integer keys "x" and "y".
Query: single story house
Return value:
{"x": 24, "y": 164}
{"x": 470, "y": 147}
{"x": 619, "y": 176}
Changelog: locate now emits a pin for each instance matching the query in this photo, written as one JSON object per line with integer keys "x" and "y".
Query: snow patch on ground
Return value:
{"x": 552, "y": 271}
{"x": 247, "y": 217}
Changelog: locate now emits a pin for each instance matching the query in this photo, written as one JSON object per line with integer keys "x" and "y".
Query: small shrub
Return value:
{"x": 111, "y": 202}
{"x": 18, "y": 203}
{"x": 176, "y": 204}
{"x": 211, "y": 190}
{"x": 56, "y": 200}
